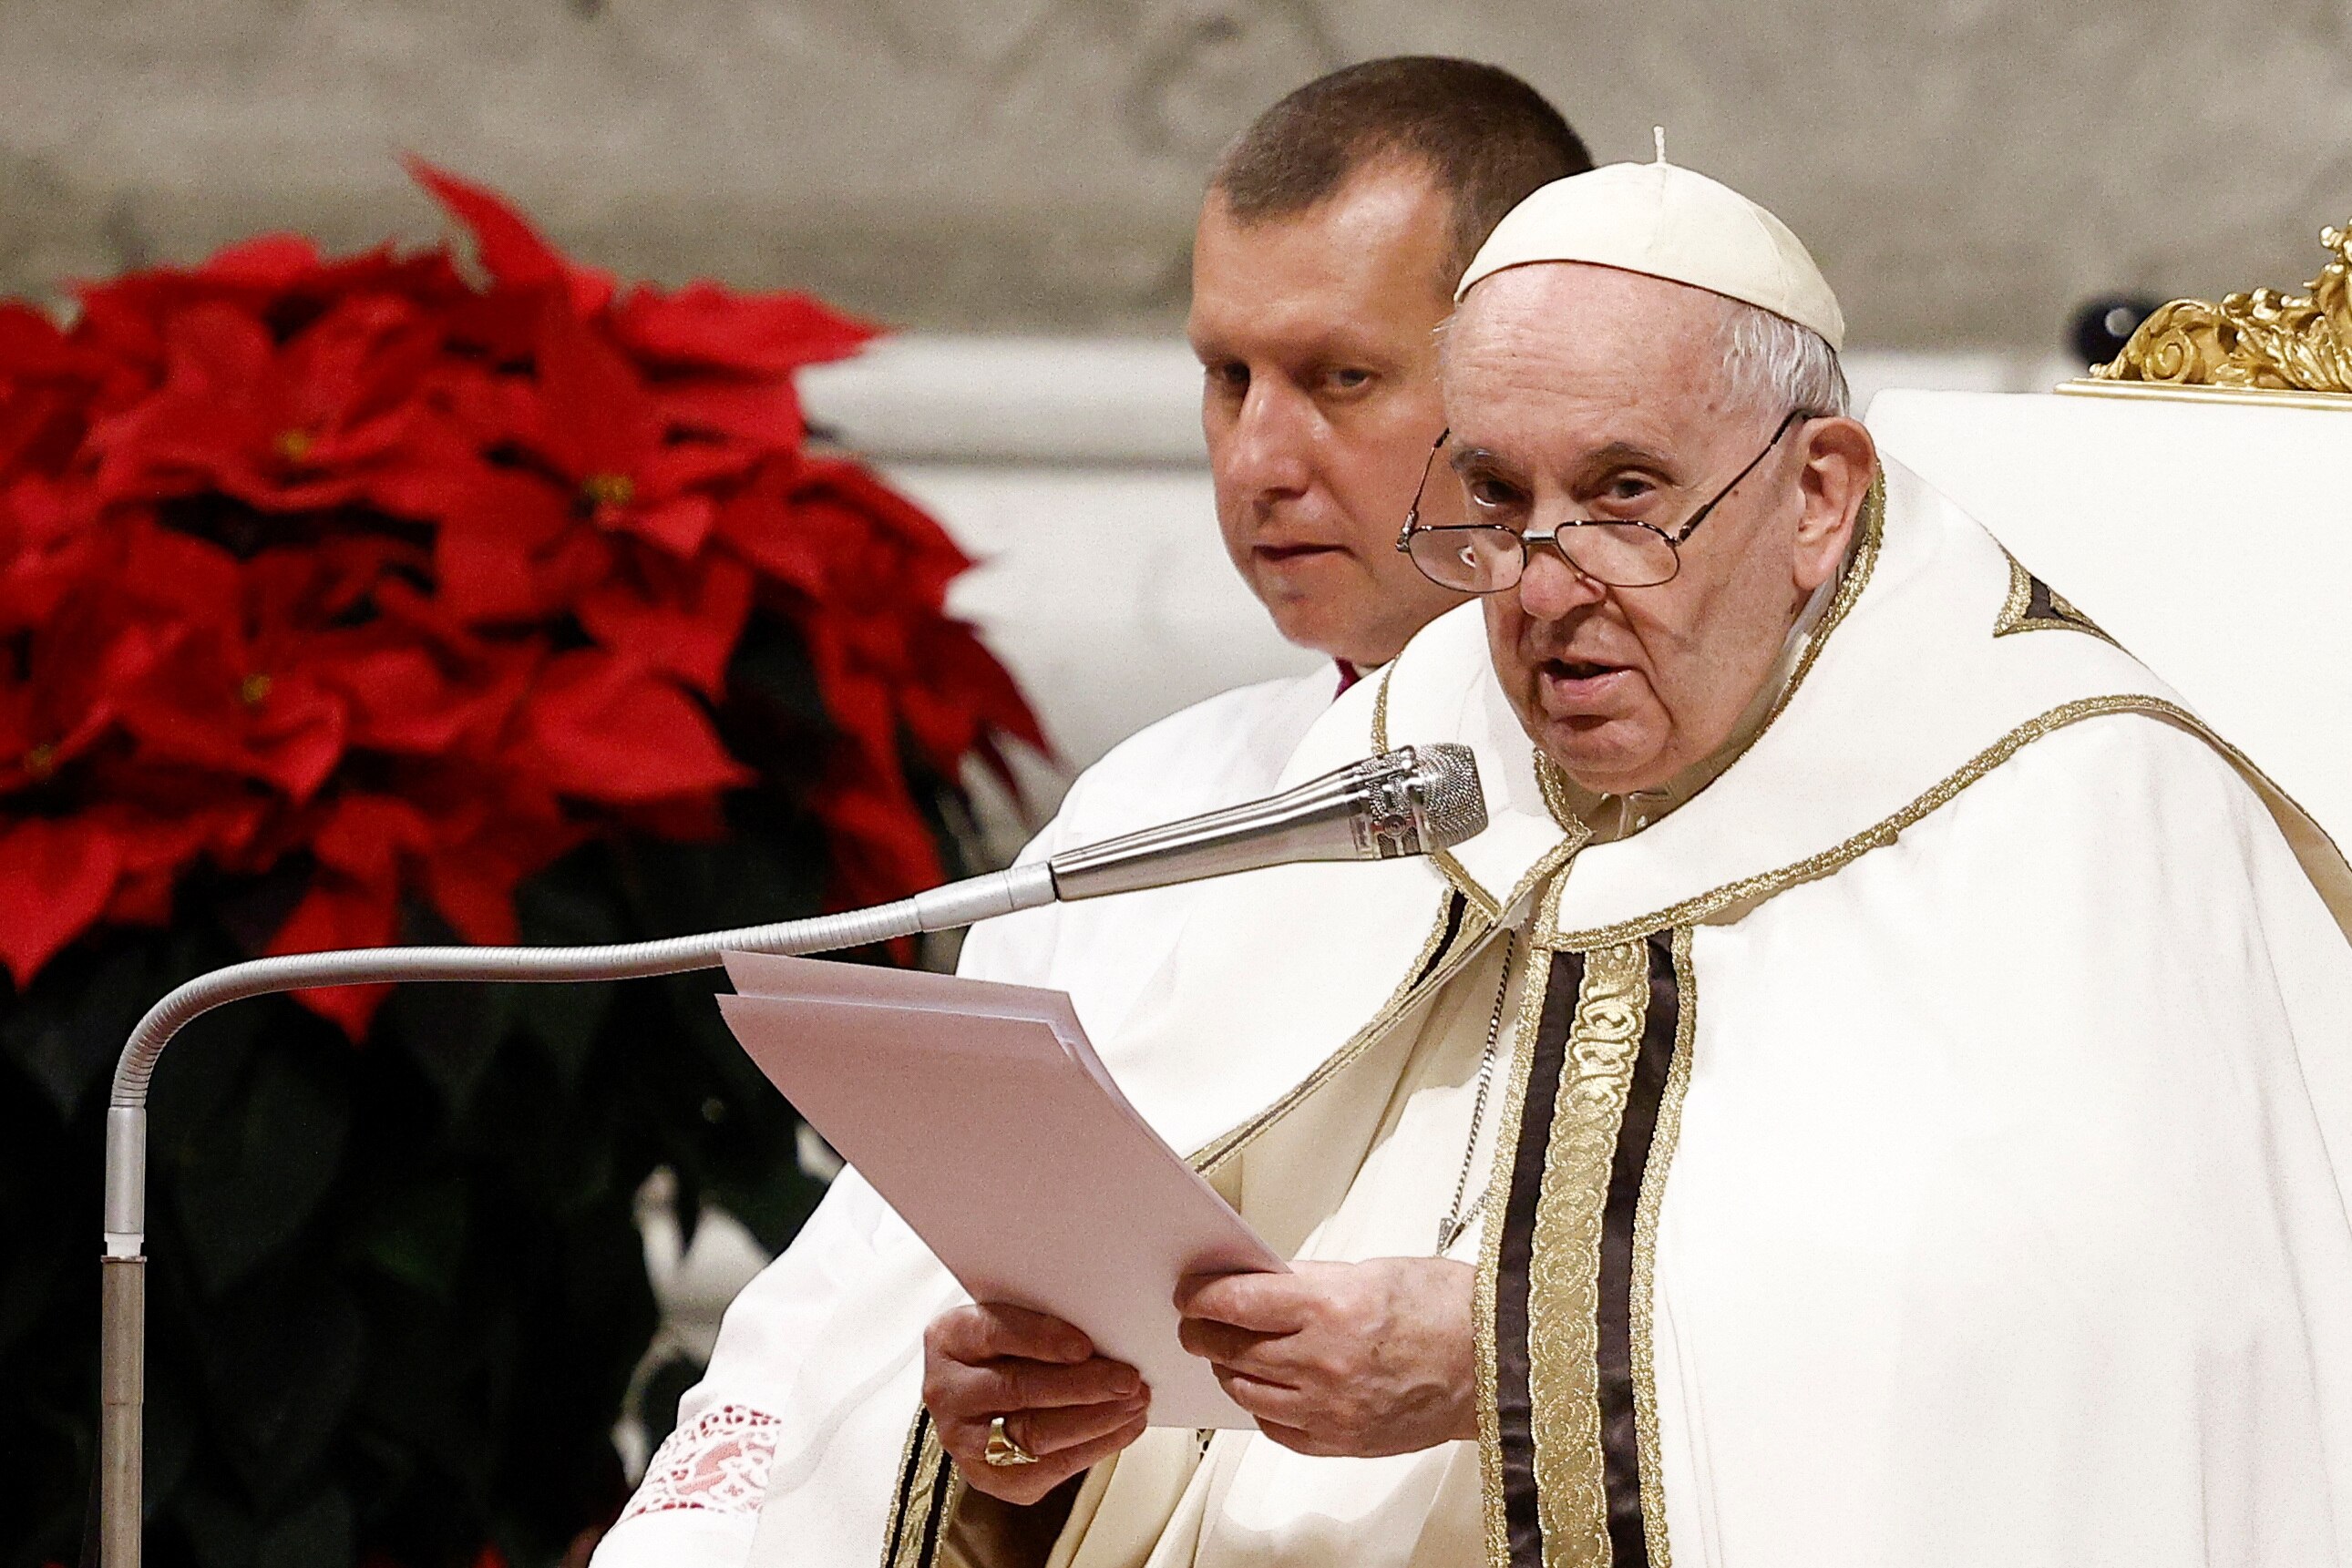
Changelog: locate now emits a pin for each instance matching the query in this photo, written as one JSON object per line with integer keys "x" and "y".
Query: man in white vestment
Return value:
{"x": 1324, "y": 261}
{"x": 1878, "y": 1092}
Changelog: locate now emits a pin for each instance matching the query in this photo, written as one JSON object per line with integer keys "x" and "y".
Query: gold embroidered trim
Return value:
{"x": 1553, "y": 860}
{"x": 1452, "y": 869}
{"x": 1467, "y": 886}
{"x": 2020, "y": 595}
{"x": 950, "y": 1507}
{"x": 911, "y": 1521}
{"x": 2017, "y": 609}
{"x": 899, "y": 1505}
{"x": 1663, "y": 1135}
{"x": 1554, "y": 784}
{"x": 1575, "y": 833}
{"x": 1768, "y": 884}
{"x": 1534, "y": 986}
{"x": 1564, "y": 1255}
{"x": 1871, "y": 526}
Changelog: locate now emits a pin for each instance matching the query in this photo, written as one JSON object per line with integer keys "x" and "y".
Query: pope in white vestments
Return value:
{"x": 1875, "y": 1094}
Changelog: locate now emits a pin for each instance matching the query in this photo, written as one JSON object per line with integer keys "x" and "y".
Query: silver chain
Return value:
{"x": 1457, "y": 1219}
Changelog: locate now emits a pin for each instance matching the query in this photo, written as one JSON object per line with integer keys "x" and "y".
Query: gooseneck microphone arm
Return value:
{"x": 1403, "y": 802}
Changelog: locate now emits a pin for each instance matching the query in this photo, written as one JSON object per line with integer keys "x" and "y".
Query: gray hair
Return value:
{"x": 1772, "y": 363}
{"x": 1777, "y": 365}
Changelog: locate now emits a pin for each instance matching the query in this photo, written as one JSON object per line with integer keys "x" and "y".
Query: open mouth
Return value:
{"x": 1571, "y": 686}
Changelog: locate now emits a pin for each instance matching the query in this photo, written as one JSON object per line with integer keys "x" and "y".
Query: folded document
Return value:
{"x": 982, "y": 1115}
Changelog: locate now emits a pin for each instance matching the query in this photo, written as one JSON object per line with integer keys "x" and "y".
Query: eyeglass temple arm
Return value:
{"x": 1690, "y": 528}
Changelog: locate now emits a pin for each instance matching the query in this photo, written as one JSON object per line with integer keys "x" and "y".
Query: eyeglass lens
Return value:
{"x": 1487, "y": 559}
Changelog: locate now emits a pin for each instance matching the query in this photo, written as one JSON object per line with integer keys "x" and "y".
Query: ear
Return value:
{"x": 1839, "y": 460}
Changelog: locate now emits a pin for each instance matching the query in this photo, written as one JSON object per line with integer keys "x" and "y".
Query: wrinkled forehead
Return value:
{"x": 1572, "y": 335}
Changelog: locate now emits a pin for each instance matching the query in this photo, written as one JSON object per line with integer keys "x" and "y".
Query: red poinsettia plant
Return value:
{"x": 418, "y": 577}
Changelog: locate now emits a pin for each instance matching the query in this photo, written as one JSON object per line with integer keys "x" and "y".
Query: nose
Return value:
{"x": 1268, "y": 450}
{"x": 1550, "y": 588}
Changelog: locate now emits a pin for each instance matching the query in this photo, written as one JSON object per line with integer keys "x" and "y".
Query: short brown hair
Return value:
{"x": 1487, "y": 138}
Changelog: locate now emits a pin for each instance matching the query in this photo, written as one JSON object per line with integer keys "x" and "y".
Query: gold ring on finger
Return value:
{"x": 1003, "y": 1451}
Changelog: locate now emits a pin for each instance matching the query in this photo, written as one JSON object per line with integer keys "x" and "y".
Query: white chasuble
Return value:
{"x": 1924, "y": 1146}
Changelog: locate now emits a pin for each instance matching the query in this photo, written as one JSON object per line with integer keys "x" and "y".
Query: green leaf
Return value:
{"x": 681, "y": 888}
{"x": 565, "y": 1022}
{"x": 280, "y": 1358}
{"x": 770, "y": 670}
{"x": 772, "y": 1210}
{"x": 220, "y": 1531}
{"x": 246, "y": 1179}
{"x": 27, "y": 1280}
{"x": 418, "y": 1234}
{"x": 571, "y": 903}
{"x": 68, "y": 1031}
{"x": 316, "y": 1534}
{"x": 451, "y": 1031}
{"x": 397, "y": 1294}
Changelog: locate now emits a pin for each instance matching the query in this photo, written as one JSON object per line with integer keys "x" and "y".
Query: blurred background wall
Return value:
{"x": 1966, "y": 170}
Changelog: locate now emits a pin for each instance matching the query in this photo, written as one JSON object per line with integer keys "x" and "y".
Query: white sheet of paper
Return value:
{"x": 982, "y": 1114}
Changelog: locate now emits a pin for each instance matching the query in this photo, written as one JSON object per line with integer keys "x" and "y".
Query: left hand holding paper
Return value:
{"x": 1062, "y": 1401}
{"x": 1343, "y": 1359}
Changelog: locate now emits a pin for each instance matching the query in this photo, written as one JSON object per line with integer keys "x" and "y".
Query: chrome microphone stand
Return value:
{"x": 1408, "y": 801}
{"x": 123, "y": 1331}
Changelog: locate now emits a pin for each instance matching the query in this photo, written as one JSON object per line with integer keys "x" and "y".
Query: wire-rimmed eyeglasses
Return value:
{"x": 1487, "y": 557}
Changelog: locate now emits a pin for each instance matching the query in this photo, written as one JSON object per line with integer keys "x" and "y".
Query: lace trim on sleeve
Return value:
{"x": 719, "y": 1463}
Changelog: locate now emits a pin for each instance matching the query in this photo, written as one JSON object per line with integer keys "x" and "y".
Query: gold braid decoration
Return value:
{"x": 2265, "y": 340}
{"x": 1564, "y": 1264}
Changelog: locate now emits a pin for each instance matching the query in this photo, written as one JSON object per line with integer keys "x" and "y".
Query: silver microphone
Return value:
{"x": 1403, "y": 802}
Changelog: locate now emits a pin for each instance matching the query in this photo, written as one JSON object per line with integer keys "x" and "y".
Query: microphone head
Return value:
{"x": 1447, "y": 800}
{"x": 1415, "y": 799}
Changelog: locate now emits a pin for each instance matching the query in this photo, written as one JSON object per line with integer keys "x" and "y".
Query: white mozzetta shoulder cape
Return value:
{"x": 1925, "y": 1145}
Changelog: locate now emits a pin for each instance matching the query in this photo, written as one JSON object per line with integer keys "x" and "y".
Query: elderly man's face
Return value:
{"x": 1585, "y": 391}
{"x": 1317, "y": 337}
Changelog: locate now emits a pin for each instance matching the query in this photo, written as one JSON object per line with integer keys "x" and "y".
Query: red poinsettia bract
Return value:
{"x": 415, "y": 584}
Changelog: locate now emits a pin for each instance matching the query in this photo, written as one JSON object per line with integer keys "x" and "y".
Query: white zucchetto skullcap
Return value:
{"x": 1669, "y": 222}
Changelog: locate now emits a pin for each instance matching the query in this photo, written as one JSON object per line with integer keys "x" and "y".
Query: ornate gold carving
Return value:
{"x": 1564, "y": 1263}
{"x": 2263, "y": 341}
